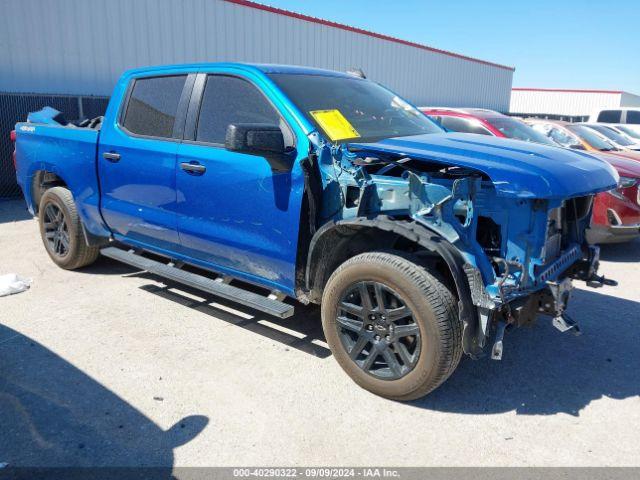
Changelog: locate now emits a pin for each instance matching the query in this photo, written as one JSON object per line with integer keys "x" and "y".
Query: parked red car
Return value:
{"x": 616, "y": 213}
{"x": 485, "y": 122}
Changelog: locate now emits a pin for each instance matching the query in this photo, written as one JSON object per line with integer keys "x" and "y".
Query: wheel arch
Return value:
{"x": 335, "y": 242}
{"x": 45, "y": 179}
{"x": 42, "y": 180}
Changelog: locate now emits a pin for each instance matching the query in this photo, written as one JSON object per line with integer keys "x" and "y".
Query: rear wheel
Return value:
{"x": 391, "y": 325}
{"x": 61, "y": 230}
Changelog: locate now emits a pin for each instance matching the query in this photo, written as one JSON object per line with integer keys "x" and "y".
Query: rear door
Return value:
{"x": 137, "y": 159}
{"x": 234, "y": 213}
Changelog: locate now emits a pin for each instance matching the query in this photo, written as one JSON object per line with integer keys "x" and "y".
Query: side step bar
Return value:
{"x": 218, "y": 287}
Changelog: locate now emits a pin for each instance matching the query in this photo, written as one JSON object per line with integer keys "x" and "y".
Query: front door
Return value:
{"x": 137, "y": 163}
{"x": 234, "y": 213}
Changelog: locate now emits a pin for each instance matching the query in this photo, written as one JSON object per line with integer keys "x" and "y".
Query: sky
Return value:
{"x": 551, "y": 43}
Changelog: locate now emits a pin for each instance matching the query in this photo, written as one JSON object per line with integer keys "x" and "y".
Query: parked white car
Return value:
{"x": 633, "y": 135}
{"x": 630, "y": 117}
{"x": 619, "y": 140}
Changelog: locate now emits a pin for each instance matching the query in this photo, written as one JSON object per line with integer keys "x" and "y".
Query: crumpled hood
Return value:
{"x": 517, "y": 168}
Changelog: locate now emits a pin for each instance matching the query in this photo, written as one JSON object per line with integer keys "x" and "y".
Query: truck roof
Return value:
{"x": 262, "y": 67}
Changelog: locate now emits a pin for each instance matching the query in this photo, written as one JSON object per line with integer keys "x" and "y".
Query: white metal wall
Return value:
{"x": 561, "y": 102}
{"x": 82, "y": 46}
{"x": 629, "y": 100}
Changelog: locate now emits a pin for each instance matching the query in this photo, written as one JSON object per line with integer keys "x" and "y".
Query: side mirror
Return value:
{"x": 254, "y": 137}
{"x": 259, "y": 139}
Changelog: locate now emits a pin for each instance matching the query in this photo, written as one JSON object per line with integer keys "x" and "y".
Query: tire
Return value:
{"x": 62, "y": 235}
{"x": 426, "y": 358}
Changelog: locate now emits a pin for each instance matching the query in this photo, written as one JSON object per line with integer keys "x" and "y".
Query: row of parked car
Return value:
{"x": 616, "y": 213}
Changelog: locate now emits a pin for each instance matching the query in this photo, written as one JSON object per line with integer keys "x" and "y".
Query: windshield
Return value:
{"x": 345, "y": 108}
{"x": 558, "y": 135}
{"x": 628, "y": 131}
{"x": 592, "y": 138}
{"x": 612, "y": 135}
{"x": 512, "y": 128}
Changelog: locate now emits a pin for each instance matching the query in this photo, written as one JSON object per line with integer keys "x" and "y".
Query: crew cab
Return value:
{"x": 265, "y": 184}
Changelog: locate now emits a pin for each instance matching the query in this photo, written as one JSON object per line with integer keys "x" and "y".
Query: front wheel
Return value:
{"x": 391, "y": 325}
{"x": 61, "y": 230}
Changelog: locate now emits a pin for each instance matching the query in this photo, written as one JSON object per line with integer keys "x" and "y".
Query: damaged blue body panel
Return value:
{"x": 516, "y": 168}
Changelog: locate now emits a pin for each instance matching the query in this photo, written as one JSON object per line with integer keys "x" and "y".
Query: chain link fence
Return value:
{"x": 14, "y": 107}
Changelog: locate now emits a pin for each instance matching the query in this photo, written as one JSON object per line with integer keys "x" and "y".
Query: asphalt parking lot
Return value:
{"x": 107, "y": 366}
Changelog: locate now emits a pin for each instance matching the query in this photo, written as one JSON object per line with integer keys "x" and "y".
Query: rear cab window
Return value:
{"x": 633, "y": 116}
{"x": 153, "y": 105}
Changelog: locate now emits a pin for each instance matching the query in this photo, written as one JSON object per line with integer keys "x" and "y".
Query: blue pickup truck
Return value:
{"x": 260, "y": 183}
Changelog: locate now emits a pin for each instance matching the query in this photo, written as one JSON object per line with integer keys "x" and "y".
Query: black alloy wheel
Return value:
{"x": 378, "y": 330}
{"x": 56, "y": 230}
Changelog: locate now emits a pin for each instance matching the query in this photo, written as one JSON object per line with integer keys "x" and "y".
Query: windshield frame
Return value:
{"x": 294, "y": 92}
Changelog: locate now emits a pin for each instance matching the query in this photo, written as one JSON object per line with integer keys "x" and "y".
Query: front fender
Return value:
{"x": 334, "y": 235}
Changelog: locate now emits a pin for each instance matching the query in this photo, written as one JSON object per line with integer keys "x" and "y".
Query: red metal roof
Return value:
{"x": 320, "y": 21}
{"x": 563, "y": 90}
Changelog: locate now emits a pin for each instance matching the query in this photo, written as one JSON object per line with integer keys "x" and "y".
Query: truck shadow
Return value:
{"x": 621, "y": 252}
{"x": 544, "y": 372}
{"x": 302, "y": 331}
{"x": 54, "y": 415}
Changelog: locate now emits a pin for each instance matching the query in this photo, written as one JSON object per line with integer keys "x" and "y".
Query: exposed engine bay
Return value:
{"x": 520, "y": 253}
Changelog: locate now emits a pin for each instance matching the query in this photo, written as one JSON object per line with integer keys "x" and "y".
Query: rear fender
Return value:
{"x": 70, "y": 155}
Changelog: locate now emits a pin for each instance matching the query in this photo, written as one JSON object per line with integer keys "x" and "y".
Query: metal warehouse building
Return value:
{"x": 66, "y": 49}
{"x": 573, "y": 104}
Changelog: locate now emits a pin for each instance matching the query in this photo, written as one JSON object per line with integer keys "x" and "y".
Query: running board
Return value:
{"x": 219, "y": 287}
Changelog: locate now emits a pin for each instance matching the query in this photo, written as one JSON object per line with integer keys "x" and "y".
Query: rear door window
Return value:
{"x": 633, "y": 116}
{"x": 228, "y": 100}
{"x": 610, "y": 116}
{"x": 153, "y": 104}
{"x": 463, "y": 125}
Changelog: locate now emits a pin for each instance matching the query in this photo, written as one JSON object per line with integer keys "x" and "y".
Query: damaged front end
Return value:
{"x": 518, "y": 245}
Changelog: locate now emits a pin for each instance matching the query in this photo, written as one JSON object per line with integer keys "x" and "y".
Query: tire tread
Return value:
{"x": 84, "y": 254}
{"x": 442, "y": 302}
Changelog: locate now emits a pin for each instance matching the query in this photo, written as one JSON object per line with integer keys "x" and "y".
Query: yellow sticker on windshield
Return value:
{"x": 334, "y": 124}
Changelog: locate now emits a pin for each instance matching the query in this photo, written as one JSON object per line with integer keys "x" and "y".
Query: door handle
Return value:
{"x": 111, "y": 156}
{"x": 193, "y": 168}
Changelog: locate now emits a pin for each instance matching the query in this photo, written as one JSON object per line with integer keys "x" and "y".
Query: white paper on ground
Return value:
{"x": 12, "y": 283}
